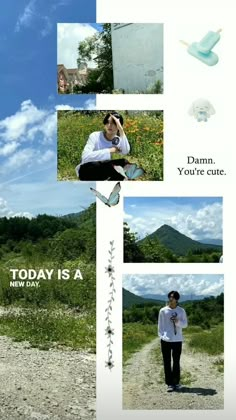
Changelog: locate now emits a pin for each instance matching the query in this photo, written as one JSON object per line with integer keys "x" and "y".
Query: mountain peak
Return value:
{"x": 177, "y": 242}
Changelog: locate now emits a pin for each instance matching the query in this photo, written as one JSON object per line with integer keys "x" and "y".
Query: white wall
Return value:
{"x": 137, "y": 50}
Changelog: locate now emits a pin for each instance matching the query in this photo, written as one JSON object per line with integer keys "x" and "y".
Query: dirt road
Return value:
{"x": 144, "y": 389}
{"x": 46, "y": 385}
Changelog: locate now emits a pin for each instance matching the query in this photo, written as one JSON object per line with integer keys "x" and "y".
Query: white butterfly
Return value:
{"x": 114, "y": 197}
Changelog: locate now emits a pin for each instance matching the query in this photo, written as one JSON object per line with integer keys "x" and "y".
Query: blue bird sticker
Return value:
{"x": 114, "y": 197}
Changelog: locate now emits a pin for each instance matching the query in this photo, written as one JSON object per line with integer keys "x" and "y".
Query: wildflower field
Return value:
{"x": 144, "y": 130}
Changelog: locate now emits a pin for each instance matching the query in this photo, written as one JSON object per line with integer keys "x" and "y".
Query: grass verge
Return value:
{"x": 135, "y": 336}
{"x": 46, "y": 329}
{"x": 209, "y": 341}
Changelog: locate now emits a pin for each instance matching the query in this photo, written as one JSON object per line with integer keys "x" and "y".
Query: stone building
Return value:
{"x": 62, "y": 78}
{"x": 68, "y": 79}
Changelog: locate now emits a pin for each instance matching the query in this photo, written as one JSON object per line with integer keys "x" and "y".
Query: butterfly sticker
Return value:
{"x": 129, "y": 171}
{"x": 114, "y": 197}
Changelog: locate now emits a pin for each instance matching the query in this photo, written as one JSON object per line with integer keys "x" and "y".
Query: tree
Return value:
{"x": 154, "y": 251}
{"x": 98, "y": 47}
{"x": 132, "y": 253}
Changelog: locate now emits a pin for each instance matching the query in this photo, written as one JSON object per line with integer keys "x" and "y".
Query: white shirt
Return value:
{"x": 166, "y": 330}
{"x": 98, "y": 148}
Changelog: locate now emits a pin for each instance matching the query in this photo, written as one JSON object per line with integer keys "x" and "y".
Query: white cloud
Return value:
{"x": 47, "y": 26}
{"x": 30, "y": 16}
{"x": 28, "y": 124}
{"x": 22, "y": 158}
{"x": 8, "y": 149}
{"x": 46, "y": 157}
{"x": 49, "y": 197}
{"x": 25, "y": 19}
{"x": 128, "y": 216}
{"x": 27, "y": 158}
{"x": 198, "y": 224}
{"x": 64, "y": 107}
{"x": 16, "y": 126}
{"x": 5, "y": 211}
{"x": 26, "y": 135}
{"x": 48, "y": 128}
{"x": 186, "y": 284}
{"x": 90, "y": 104}
{"x": 69, "y": 35}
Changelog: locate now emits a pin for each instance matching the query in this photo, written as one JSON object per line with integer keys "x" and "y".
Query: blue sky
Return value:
{"x": 199, "y": 218}
{"x": 196, "y": 284}
{"x": 28, "y": 122}
{"x": 69, "y": 35}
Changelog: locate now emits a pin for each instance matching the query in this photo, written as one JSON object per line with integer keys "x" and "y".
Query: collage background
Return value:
{"x": 182, "y": 136}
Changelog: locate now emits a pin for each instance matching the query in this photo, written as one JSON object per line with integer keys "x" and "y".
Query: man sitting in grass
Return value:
{"x": 172, "y": 318}
{"x": 97, "y": 163}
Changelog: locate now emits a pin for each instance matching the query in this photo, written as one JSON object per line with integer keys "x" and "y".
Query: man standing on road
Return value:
{"x": 172, "y": 318}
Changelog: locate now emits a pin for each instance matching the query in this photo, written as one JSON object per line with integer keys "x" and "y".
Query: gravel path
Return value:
{"x": 46, "y": 385}
{"x": 143, "y": 388}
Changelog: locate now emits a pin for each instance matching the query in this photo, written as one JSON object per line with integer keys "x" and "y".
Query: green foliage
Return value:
{"x": 68, "y": 248}
{"x": 45, "y": 328}
{"x": 131, "y": 250}
{"x": 203, "y": 314}
{"x": 154, "y": 251}
{"x": 211, "y": 342}
{"x": 145, "y": 315}
{"x": 156, "y": 88}
{"x": 48, "y": 242}
{"x": 135, "y": 336}
{"x": 98, "y": 47}
{"x": 130, "y": 299}
{"x": 219, "y": 364}
{"x": 168, "y": 245}
{"x": 144, "y": 131}
{"x": 22, "y": 228}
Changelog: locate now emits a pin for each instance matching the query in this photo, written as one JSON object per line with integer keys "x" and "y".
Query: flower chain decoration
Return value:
{"x": 109, "y": 331}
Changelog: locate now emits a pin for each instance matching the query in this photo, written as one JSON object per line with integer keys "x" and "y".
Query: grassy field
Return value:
{"x": 45, "y": 316}
{"x": 135, "y": 336}
{"x": 210, "y": 341}
{"x": 50, "y": 328}
{"x": 143, "y": 130}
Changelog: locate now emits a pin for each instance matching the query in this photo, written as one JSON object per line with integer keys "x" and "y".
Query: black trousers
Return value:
{"x": 101, "y": 170}
{"x": 171, "y": 349}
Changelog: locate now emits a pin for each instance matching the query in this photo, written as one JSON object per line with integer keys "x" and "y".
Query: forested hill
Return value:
{"x": 130, "y": 299}
{"x": 86, "y": 216}
{"x": 46, "y": 226}
{"x": 177, "y": 242}
{"x": 45, "y": 237}
{"x": 205, "y": 313}
{"x": 50, "y": 243}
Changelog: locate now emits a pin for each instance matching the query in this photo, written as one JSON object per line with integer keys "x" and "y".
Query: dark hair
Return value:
{"x": 175, "y": 294}
{"x": 119, "y": 116}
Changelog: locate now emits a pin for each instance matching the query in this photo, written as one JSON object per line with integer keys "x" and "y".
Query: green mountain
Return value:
{"x": 130, "y": 299}
{"x": 178, "y": 243}
{"x": 84, "y": 216}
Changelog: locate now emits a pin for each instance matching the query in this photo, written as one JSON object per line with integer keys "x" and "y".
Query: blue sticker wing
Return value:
{"x": 133, "y": 171}
{"x": 114, "y": 197}
{"x": 120, "y": 170}
{"x": 100, "y": 196}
